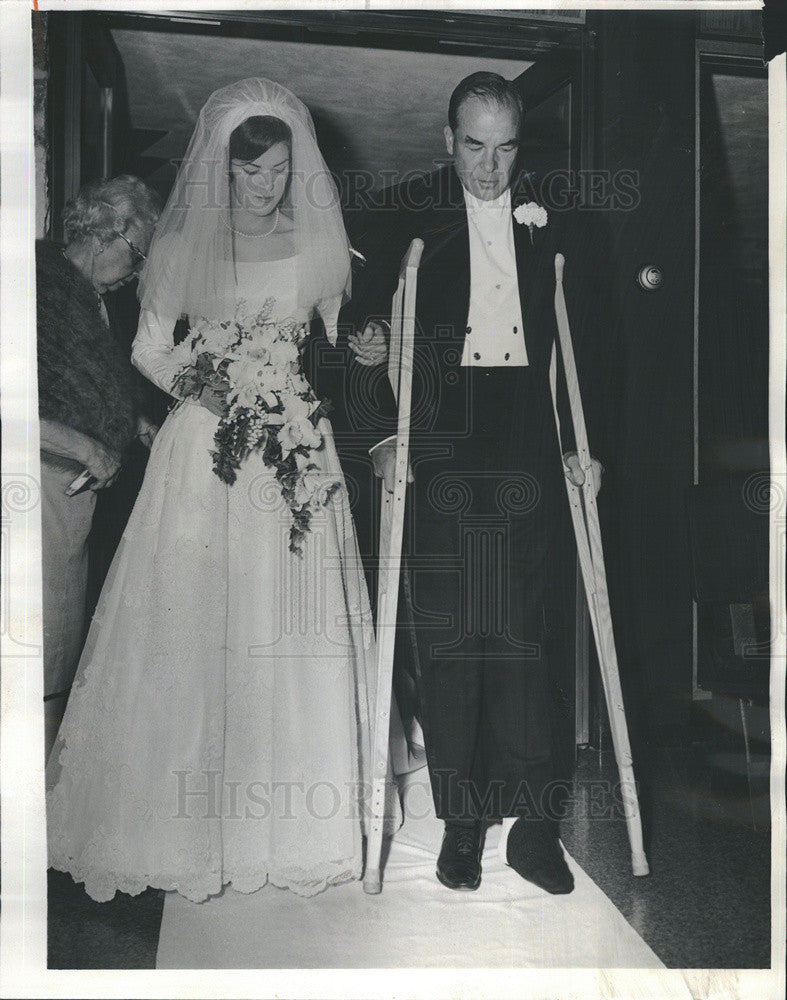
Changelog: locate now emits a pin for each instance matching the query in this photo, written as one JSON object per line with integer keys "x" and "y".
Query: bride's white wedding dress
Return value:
{"x": 218, "y": 728}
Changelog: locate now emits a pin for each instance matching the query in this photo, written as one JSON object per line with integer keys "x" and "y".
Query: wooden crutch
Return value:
{"x": 400, "y": 374}
{"x": 584, "y": 514}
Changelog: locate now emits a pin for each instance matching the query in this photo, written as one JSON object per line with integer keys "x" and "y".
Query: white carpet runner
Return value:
{"x": 414, "y": 922}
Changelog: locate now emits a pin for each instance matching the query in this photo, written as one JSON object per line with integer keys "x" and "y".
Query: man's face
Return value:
{"x": 116, "y": 263}
{"x": 484, "y": 146}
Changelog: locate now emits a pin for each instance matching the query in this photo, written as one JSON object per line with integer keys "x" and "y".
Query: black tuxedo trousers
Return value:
{"x": 478, "y": 539}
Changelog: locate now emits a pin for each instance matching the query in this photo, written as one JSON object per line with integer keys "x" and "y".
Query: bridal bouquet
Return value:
{"x": 254, "y": 361}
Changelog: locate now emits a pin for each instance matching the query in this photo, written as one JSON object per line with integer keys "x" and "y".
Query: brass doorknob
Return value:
{"x": 650, "y": 277}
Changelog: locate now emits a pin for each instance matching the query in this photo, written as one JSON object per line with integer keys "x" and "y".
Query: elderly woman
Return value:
{"x": 90, "y": 409}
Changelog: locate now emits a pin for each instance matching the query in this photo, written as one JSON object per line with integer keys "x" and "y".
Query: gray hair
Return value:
{"x": 104, "y": 208}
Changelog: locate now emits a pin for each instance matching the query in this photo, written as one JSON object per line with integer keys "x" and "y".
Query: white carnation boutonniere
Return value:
{"x": 530, "y": 214}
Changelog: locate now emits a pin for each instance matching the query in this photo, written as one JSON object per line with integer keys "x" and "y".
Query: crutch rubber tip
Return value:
{"x": 372, "y": 884}
{"x": 639, "y": 865}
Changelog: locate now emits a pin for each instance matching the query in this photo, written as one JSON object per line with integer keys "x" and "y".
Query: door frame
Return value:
{"x": 77, "y": 42}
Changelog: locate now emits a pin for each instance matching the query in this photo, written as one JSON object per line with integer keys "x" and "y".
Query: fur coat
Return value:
{"x": 84, "y": 379}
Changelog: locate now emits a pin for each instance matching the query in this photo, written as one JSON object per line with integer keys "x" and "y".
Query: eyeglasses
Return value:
{"x": 139, "y": 257}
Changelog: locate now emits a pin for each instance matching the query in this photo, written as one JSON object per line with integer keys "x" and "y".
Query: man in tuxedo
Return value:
{"x": 488, "y": 476}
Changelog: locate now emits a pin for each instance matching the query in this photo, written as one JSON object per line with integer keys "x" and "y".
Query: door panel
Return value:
{"x": 731, "y": 462}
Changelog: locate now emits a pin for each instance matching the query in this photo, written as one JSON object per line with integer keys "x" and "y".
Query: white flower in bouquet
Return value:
{"x": 247, "y": 372}
{"x": 185, "y": 353}
{"x": 296, "y": 408}
{"x": 270, "y": 399}
{"x": 274, "y": 380}
{"x": 262, "y": 338}
{"x": 298, "y": 432}
{"x": 315, "y": 486}
{"x": 284, "y": 353}
{"x": 217, "y": 338}
{"x": 298, "y": 383}
{"x": 245, "y": 397}
{"x": 251, "y": 350}
{"x": 324, "y": 486}
{"x": 302, "y": 492}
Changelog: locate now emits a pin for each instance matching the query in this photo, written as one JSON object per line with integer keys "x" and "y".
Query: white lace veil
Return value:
{"x": 190, "y": 257}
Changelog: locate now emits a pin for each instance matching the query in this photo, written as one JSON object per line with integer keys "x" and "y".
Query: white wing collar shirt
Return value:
{"x": 494, "y": 337}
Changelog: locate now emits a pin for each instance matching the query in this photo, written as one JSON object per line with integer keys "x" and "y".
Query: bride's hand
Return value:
{"x": 214, "y": 400}
{"x": 146, "y": 431}
{"x": 371, "y": 346}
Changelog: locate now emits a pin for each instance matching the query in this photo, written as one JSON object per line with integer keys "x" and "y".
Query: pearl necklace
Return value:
{"x": 254, "y": 236}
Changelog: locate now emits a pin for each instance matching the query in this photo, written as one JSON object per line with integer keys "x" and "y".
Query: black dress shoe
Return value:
{"x": 459, "y": 861}
{"x": 534, "y": 852}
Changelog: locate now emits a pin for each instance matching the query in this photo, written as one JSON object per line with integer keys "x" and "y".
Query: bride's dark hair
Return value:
{"x": 256, "y": 135}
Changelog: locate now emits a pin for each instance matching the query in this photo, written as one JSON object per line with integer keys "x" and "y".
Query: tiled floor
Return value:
{"x": 705, "y": 904}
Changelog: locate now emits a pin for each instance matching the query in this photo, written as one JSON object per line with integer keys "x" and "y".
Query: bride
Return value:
{"x": 219, "y": 728}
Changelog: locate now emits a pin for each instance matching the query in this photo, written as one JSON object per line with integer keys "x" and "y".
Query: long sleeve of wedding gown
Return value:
{"x": 151, "y": 352}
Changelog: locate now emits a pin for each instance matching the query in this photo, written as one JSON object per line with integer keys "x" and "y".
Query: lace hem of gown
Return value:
{"x": 200, "y": 886}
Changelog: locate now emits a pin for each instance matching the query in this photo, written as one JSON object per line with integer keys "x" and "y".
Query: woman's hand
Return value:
{"x": 146, "y": 431}
{"x": 103, "y": 464}
{"x": 371, "y": 346}
{"x": 214, "y": 400}
{"x": 61, "y": 441}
